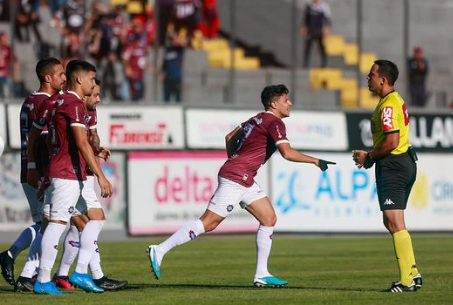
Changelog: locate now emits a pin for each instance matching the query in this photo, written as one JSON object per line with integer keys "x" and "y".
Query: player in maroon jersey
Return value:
{"x": 248, "y": 146}
{"x": 51, "y": 77}
{"x": 71, "y": 152}
{"x": 87, "y": 201}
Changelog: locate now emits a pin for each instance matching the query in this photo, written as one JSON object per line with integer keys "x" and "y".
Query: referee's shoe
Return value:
{"x": 397, "y": 287}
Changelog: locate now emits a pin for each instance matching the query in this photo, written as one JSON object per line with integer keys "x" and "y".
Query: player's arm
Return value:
{"x": 231, "y": 141}
{"x": 85, "y": 149}
{"x": 32, "y": 172}
{"x": 294, "y": 155}
{"x": 95, "y": 143}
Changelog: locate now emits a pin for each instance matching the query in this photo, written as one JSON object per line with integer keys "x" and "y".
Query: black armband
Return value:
{"x": 368, "y": 161}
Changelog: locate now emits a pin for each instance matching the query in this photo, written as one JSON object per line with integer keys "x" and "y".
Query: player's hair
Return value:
{"x": 388, "y": 70}
{"x": 269, "y": 93}
{"x": 98, "y": 82}
{"x": 77, "y": 66}
{"x": 44, "y": 67}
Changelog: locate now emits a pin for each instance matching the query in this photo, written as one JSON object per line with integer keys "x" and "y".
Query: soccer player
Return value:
{"x": 248, "y": 147}
{"x": 396, "y": 168}
{"x": 71, "y": 152}
{"x": 89, "y": 200}
{"x": 51, "y": 77}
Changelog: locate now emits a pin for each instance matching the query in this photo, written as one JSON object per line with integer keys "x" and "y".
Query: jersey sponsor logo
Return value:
{"x": 388, "y": 202}
{"x": 257, "y": 120}
{"x": 387, "y": 115}
{"x": 406, "y": 115}
{"x": 278, "y": 131}
{"x": 30, "y": 106}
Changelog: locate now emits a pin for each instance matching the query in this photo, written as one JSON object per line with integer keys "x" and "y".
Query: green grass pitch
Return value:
{"x": 219, "y": 269}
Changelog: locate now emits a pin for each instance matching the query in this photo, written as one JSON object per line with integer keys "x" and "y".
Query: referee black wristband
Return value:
{"x": 368, "y": 161}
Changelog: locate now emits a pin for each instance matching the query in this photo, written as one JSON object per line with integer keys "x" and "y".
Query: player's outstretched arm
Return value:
{"x": 294, "y": 155}
{"x": 85, "y": 149}
{"x": 32, "y": 172}
{"x": 231, "y": 141}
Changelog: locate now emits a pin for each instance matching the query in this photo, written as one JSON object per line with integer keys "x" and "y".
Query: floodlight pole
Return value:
{"x": 294, "y": 63}
{"x": 232, "y": 74}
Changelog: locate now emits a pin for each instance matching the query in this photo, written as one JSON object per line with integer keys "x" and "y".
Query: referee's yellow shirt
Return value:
{"x": 391, "y": 116}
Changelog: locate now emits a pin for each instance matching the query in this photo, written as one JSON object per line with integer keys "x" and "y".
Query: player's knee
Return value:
{"x": 269, "y": 221}
{"x": 208, "y": 227}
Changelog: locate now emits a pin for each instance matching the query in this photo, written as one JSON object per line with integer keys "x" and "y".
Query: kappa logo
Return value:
{"x": 388, "y": 202}
{"x": 230, "y": 208}
{"x": 71, "y": 210}
{"x": 387, "y": 114}
{"x": 74, "y": 244}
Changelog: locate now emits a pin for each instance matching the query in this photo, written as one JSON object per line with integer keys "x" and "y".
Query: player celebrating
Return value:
{"x": 248, "y": 147}
{"x": 71, "y": 150}
{"x": 51, "y": 77}
{"x": 88, "y": 201}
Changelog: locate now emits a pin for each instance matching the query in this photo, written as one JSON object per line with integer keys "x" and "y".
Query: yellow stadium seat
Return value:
{"x": 118, "y": 2}
{"x": 335, "y": 45}
{"x": 366, "y": 61}
{"x": 349, "y": 97}
{"x": 367, "y": 99}
{"x": 351, "y": 54}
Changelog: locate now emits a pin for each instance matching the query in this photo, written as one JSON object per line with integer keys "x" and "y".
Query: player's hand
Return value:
{"x": 323, "y": 164}
{"x": 104, "y": 153}
{"x": 106, "y": 187}
{"x": 42, "y": 188}
{"x": 33, "y": 177}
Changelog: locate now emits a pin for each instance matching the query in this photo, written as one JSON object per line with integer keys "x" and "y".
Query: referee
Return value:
{"x": 396, "y": 169}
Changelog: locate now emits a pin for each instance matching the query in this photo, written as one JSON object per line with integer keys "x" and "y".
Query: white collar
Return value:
{"x": 40, "y": 93}
{"x": 72, "y": 92}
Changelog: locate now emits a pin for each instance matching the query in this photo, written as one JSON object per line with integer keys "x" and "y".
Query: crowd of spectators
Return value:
{"x": 119, "y": 37}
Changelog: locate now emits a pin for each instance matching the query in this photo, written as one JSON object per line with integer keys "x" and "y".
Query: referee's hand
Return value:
{"x": 323, "y": 164}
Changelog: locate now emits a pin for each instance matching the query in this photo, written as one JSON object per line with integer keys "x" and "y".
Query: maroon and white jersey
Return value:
{"x": 28, "y": 114}
{"x": 92, "y": 124}
{"x": 66, "y": 161}
{"x": 259, "y": 138}
{"x": 42, "y": 119}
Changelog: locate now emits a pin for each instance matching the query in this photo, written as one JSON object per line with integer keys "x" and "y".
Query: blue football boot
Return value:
{"x": 46, "y": 288}
{"x": 155, "y": 267}
{"x": 269, "y": 281}
{"x": 85, "y": 282}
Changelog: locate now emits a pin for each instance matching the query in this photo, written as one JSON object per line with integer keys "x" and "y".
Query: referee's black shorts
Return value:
{"x": 395, "y": 176}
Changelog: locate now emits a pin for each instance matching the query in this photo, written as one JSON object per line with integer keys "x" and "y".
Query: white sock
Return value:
{"x": 32, "y": 263}
{"x": 263, "y": 249}
{"x": 95, "y": 265}
{"x": 49, "y": 250}
{"x": 88, "y": 244}
{"x": 23, "y": 241}
{"x": 185, "y": 234}
{"x": 70, "y": 249}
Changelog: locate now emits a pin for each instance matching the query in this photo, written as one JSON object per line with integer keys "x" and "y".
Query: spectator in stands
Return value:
{"x": 5, "y": 65}
{"x": 172, "y": 67}
{"x": 185, "y": 16}
{"x": 418, "y": 72}
{"x": 135, "y": 64}
{"x": 210, "y": 22}
{"x": 315, "y": 25}
{"x": 165, "y": 17}
{"x": 27, "y": 16}
{"x": 72, "y": 14}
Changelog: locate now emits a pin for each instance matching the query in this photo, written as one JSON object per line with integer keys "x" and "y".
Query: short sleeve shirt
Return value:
{"x": 28, "y": 113}
{"x": 259, "y": 138}
{"x": 391, "y": 116}
{"x": 66, "y": 161}
{"x": 92, "y": 124}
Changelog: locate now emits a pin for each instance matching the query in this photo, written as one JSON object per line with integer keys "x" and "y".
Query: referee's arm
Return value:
{"x": 391, "y": 141}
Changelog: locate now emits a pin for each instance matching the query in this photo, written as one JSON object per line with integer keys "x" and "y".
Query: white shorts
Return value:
{"x": 228, "y": 194}
{"x": 89, "y": 199}
{"x": 62, "y": 195}
{"x": 35, "y": 205}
